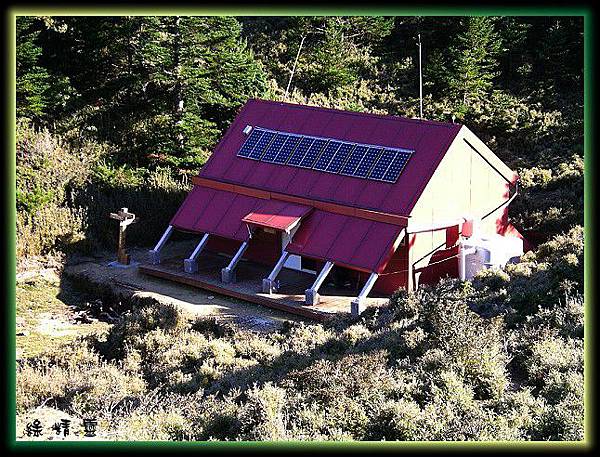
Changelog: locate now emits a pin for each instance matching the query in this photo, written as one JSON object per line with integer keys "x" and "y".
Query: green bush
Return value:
{"x": 66, "y": 189}
{"x": 262, "y": 414}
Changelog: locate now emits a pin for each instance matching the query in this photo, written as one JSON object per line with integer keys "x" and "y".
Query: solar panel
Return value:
{"x": 262, "y": 144}
{"x": 313, "y": 153}
{"x": 369, "y": 159}
{"x": 250, "y": 142}
{"x": 340, "y": 157}
{"x": 355, "y": 157}
{"x": 397, "y": 165}
{"x": 328, "y": 153}
{"x": 288, "y": 147}
{"x": 300, "y": 151}
{"x": 382, "y": 164}
{"x": 274, "y": 148}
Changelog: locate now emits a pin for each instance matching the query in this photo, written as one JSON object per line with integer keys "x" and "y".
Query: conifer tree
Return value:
{"x": 33, "y": 81}
{"x": 476, "y": 62}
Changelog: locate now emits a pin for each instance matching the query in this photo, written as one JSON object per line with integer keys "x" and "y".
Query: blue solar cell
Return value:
{"x": 300, "y": 151}
{"x": 369, "y": 159}
{"x": 261, "y": 145}
{"x": 355, "y": 157}
{"x": 340, "y": 157}
{"x": 323, "y": 154}
{"x": 313, "y": 153}
{"x": 382, "y": 164}
{"x": 397, "y": 165}
{"x": 250, "y": 142}
{"x": 330, "y": 150}
{"x": 274, "y": 148}
{"x": 287, "y": 149}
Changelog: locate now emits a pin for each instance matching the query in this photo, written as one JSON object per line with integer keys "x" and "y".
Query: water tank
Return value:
{"x": 486, "y": 251}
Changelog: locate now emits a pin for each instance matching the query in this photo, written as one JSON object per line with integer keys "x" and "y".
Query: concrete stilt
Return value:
{"x": 312, "y": 294}
{"x": 190, "y": 265}
{"x": 154, "y": 254}
{"x": 228, "y": 273}
{"x": 358, "y": 304}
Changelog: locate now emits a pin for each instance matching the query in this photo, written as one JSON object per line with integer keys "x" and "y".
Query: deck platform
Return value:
{"x": 289, "y": 297}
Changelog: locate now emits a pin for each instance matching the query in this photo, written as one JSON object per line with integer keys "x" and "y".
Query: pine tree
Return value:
{"x": 200, "y": 73}
{"x": 33, "y": 81}
{"x": 476, "y": 62}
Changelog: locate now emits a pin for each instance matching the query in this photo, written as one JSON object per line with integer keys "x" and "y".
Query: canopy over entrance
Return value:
{"x": 277, "y": 215}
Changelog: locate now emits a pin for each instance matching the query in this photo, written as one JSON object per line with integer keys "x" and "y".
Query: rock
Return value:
{"x": 107, "y": 317}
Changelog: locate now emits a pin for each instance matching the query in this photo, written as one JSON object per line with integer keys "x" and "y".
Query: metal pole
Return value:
{"x": 190, "y": 265}
{"x": 268, "y": 283}
{"x": 420, "y": 82}
{"x": 228, "y": 273}
{"x": 293, "y": 69}
{"x": 154, "y": 254}
{"x": 357, "y": 305}
{"x": 312, "y": 294}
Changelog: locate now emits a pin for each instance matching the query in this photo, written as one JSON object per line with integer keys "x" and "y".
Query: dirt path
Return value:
{"x": 128, "y": 282}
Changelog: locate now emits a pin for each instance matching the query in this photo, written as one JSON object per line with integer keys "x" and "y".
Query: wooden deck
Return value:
{"x": 289, "y": 298}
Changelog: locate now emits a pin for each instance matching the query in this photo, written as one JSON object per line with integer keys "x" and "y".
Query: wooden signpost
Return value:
{"x": 125, "y": 218}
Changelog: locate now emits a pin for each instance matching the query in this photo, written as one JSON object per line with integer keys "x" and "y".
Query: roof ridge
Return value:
{"x": 357, "y": 113}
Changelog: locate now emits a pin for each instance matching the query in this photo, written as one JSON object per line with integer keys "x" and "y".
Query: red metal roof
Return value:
{"x": 430, "y": 141}
{"x": 216, "y": 212}
{"x": 277, "y": 214}
{"x": 345, "y": 240}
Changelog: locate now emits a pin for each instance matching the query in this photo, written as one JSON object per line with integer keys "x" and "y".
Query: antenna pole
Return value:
{"x": 293, "y": 69}
{"x": 420, "y": 81}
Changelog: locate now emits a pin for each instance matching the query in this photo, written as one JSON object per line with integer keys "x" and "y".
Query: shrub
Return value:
{"x": 262, "y": 414}
{"x": 77, "y": 381}
{"x": 551, "y": 353}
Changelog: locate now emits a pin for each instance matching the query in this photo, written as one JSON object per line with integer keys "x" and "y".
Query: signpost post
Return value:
{"x": 125, "y": 218}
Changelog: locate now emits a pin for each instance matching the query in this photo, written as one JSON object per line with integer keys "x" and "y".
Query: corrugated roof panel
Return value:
{"x": 192, "y": 208}
{"x": 430, "y": 141}
{"x": 348, "y": 240}
{"x": 381, "y": 235}
{"x": 231, "y": 225}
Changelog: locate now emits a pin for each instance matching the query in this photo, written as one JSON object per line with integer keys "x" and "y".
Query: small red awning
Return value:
{"x": 346, "y": 240}
{"x": 277, "y": 215}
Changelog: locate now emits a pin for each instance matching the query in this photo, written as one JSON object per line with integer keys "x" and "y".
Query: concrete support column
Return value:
{"x": 358, "y": 304}
{"x": 154, "y": 254}
{"x": 268, "y": 284}
{"x": 312, "y": 294}
{"x": 228, "y": 273}
{"x": 190, "y": 265}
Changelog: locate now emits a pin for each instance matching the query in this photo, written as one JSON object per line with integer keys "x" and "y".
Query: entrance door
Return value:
{"x": 293, "y": 262}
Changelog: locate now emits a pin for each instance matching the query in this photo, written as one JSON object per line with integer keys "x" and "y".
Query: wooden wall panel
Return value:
{"x": 464, "y": 184}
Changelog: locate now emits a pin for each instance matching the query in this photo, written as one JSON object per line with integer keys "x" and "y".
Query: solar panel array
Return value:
{"x": 366, "y": 161}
